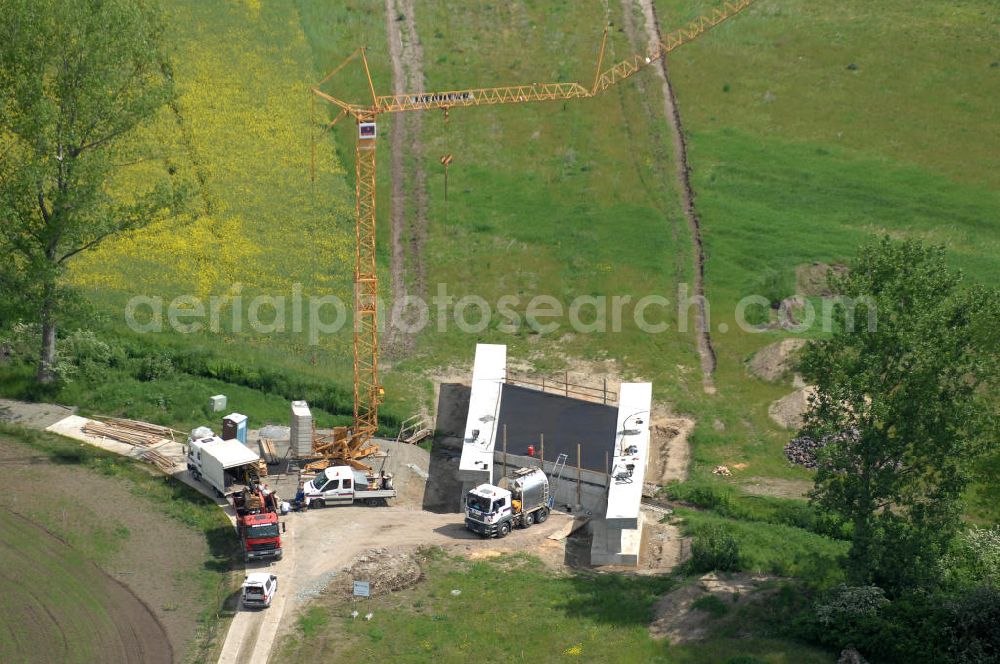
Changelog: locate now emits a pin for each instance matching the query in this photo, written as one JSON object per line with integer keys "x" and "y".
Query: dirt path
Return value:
{"x": 252, "y": 632}
{"x": 664, "y": 546}
{"x": 408, "y": 231}
{"x": 705, "y": 349}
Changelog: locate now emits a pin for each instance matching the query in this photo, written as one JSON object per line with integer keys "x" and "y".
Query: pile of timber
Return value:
{"x": 131, "y": 432}
{"x": 164, "y": 463}
{"x": 267, "y": 452}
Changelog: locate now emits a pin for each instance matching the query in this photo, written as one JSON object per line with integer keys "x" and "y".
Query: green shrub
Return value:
{"x": 848, "y": 604}
{"x": 915, "y": 628}
{"x": 711, "y": 605}
{"x": 972, "y": 633}
{"x": 714, "y": 549}
{"x": 725, "y": 501}
{"x": 153, "y": 367}
{"x": 974, "y": 559}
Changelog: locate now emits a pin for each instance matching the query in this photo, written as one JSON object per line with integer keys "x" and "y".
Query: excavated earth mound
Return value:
{"x": 775, "y": 360}
{"x": 385, "y": 570}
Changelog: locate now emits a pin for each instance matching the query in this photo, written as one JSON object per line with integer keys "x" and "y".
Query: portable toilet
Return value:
{"x": 234, "y": 426}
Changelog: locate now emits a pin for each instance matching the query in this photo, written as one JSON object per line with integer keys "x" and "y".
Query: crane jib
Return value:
{"x": 367, "y": 391}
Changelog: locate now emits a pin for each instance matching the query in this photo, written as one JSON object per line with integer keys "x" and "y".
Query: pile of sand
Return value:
{"x": 678, "y": 620}
{"x": 774, "y": 361}
{"x": 814, "y": 278}
{"x": 789, "y": 410}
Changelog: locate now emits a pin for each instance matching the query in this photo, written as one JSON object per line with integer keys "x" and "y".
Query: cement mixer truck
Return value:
{"x": 520, "y": 499}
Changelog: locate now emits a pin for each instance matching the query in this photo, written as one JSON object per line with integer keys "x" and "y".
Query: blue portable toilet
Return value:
{"x": 234, "y": 425}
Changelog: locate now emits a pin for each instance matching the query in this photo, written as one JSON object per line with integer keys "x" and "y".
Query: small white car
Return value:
{"x": 259, "y": 589}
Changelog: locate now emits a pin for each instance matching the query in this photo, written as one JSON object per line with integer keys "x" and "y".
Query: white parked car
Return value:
{"x": 259, "y": 589}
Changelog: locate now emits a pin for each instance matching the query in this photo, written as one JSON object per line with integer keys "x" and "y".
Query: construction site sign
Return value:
{"x": 362, "y": 589}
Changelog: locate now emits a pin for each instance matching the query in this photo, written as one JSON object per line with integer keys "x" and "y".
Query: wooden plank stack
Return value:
{"x": 164, "y": 463}
{"x": 267, "y": 451}
{"x": 131, "y": 432}
{"x": 142, "y": 435}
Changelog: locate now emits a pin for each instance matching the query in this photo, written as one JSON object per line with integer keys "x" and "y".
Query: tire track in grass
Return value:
{"x": 661, "y": 160}
{"x": 408, "y": 231}
{"x": 705, "y": 349}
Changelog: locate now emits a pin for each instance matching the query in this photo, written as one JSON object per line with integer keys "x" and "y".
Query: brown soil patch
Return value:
{"x": 32, "y": 415}
{"x": 152, "y": 556}
{"x": 774, "y": 361}
{"x": 677, "y": 620}
{"x": 485, "y": 554}
{"x": 789, "y": 410}
{"x": 95, "y": 618}
{"x": 663, "y": 546}
{"x": 386, "y": 571}
{"x": 814, "y": 278}
{"x": 669, "y": 449}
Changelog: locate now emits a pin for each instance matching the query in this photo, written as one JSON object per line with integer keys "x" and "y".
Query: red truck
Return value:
{"x": 257, "y": 523}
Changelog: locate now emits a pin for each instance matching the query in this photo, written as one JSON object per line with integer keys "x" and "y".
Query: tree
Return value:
{"x": 908, "y": 404}
{"x": 76, "y": 78}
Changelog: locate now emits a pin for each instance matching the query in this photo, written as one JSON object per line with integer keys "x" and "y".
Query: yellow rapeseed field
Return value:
{"x": 239, "y": 136}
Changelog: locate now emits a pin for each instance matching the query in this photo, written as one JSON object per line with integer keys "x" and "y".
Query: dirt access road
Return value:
{"x": 319, "y": 544}
{"x": 408, "y": 228}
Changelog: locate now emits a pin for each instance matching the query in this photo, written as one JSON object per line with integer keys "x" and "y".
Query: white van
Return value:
{"x": 259, "y": 589}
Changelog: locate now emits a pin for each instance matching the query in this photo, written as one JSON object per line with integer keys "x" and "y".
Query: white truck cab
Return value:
{"x": 487, "y": 506}
{"x": 258, "y": 589}
{"x": 520, "y": 499}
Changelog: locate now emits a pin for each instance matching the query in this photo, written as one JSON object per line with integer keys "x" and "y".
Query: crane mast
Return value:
{"x": 367, "y": 391}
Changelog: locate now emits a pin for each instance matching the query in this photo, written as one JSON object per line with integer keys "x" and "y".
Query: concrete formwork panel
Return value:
{"x": 618, "y": 537}
{"x": 631, "y": 451}
{"x": 488, "y": 375}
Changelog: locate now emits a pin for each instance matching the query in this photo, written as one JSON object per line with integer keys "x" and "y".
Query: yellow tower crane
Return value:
{"x": 349, "y": 448}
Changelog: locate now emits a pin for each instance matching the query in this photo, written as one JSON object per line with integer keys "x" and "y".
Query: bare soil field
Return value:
{"x": 139, "y": 602}
{"x": 60, "y": 607}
